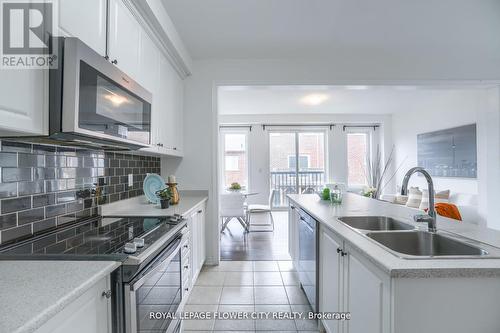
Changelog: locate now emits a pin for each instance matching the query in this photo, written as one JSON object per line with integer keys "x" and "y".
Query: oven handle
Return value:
{"x": 170, "y": 252}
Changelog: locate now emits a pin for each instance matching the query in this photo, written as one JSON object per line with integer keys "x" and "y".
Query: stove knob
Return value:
{"x": 139, "y": 242}
{"x": 130, "y": 248}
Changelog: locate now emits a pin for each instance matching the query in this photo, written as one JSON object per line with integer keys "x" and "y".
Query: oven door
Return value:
{"x": 99, "y": 100}
{"x": 152, "y": 298}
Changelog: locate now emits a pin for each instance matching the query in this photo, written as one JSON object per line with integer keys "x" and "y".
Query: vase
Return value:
{"x": 175, "y": 193}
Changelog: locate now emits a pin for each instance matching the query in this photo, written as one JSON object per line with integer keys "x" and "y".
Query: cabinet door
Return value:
{"x": 364, "y": 297}
{"x": 85, "y": 20}
{"x": 293, "y": 235}
{"x": 124, "y": 38}
{"x": 24, "y": 102}
{"x": 201, "y": 236}
{"x": 169, "y": 108}
{"x": 194, "y": 246}
{"x": 330, "y": 265}
{"x": 149, "y": 64}
{"x": 91, "y": 312}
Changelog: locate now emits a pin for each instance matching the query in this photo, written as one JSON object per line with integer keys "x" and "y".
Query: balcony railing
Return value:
{"x": 285, "y": 182}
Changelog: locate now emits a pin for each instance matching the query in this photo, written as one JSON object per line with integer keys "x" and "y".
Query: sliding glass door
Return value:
{"x": 297, "y": 162}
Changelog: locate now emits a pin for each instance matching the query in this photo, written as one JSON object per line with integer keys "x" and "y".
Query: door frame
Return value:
{"x": 296, "y": 130}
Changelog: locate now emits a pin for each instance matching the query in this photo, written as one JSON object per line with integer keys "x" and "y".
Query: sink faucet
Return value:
{"x": 430, "y": 217}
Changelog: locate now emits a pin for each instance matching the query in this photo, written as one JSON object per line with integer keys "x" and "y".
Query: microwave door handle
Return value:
{"x": 136, "y": 284}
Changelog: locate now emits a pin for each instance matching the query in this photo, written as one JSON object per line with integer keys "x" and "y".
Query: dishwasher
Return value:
{"x": 308, "y": 253}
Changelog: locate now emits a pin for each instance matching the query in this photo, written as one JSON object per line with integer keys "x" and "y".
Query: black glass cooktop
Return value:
{"x": 98, "y": 236}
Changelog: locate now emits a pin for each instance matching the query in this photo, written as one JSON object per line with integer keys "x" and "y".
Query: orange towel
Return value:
{"x": 448, "y": 210}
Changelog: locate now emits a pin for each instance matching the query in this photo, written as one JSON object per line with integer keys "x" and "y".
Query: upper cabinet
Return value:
{"x": 129, "y": 35}
{"x": 124, "y": 38}
{"x": 169, "y": 110}
{"x": 85, "y": 20}
{"x": 24, "y": 102}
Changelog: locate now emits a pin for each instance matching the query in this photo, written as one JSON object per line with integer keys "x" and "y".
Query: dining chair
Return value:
{"x": 232, "y": 205}
{"x": 252, "y": 209}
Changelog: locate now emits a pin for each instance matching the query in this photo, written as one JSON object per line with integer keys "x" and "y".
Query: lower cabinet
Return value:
{"x": 91, "y": 312}
{"x": 193, "y": 248}
{"x": 348, "y": 283}
{"x": 330, "y": 276}
{"x": 293, "y": 235}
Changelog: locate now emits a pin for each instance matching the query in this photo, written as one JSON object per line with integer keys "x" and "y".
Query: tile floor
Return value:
{"x": 248, "y": 286}
{"x": 256, "y": 245}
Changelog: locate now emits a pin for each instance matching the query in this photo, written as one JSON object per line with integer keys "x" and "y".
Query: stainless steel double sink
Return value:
{"x": 405, "y": 241}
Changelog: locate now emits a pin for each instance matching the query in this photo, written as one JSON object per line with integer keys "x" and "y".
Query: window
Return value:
{"x": 232, "y": 163}
{"x": 303, "y": 161}
{"x": 357, "y": 153}
{"x": 234, "y": 158}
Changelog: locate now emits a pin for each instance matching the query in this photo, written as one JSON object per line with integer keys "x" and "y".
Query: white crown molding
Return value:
{"x": 149, "y": 21}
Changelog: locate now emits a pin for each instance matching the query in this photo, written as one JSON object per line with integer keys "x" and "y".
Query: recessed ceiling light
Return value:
{"x": 314, "y": 99}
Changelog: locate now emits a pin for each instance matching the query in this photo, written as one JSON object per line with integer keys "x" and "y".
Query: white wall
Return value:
{"x": 450, "y": 109}
{"x": 198, "y": 168}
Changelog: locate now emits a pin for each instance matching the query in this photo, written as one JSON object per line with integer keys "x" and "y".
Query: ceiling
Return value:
{"x": 345, "y": 100}
{"x": 269, "y": 29}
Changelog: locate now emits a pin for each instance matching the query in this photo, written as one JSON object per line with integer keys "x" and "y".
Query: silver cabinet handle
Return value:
{"x": 186, "y": 266}
{"x": 106, "y": 293}
{"x": 200, "y": 211}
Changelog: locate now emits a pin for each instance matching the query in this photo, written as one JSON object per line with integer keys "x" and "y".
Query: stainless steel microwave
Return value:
{"x": 93, "y": 103}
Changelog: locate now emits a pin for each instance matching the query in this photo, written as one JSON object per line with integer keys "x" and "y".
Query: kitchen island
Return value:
{"x": 387, "y": 293}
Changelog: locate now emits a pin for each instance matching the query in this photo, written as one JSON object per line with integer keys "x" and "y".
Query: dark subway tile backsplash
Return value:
{"x": 42, "y": 187}
{"x": 16, "y": 204}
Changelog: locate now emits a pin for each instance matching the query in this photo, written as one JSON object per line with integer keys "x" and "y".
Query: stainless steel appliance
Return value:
{"x": 308, "y": 252}
{"x": 94, "y": 104}
{"x": 149, "y": 280}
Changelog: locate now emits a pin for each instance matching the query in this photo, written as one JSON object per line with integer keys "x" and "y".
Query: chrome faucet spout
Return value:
{"x": 430, "y": 218}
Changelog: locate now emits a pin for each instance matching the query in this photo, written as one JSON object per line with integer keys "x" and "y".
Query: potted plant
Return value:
{"x": 165, "y": 195}
{"x": 235, "y": 187}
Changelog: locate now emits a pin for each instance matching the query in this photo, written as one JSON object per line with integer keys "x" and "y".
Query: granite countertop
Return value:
{"x": 32, "y": 292}
{"x": 139, "y": 206}
{"x": 353, "y": 205}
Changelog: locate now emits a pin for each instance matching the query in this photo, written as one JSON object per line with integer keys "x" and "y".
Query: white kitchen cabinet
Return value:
{"x": 85, "y": 20}
{"x": 24, "y": 102}
{"x": 365, "y": 295}
{"x": 149, "y": 62}
{"x": 124, "y": 35}
{"x": 331, "y": 274}
{"x": 293, "y": 235}
{"x": 169, "y": 109}
{"x": 348, "y": 283}
{"x": 91, "y": 312}
{"x": 197, "y": 222}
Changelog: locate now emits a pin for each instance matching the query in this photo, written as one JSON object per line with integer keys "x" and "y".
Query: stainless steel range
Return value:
{"x": 149, "y": 280}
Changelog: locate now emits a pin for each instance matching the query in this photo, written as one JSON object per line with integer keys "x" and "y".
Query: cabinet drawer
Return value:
{"x": 186, "y": 268}
{"x": 186, "y": 253}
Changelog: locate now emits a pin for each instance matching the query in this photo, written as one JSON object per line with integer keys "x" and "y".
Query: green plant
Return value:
{"x": 165, "y": 194}
{"x": 235, "y": 186}
{"x": 325, "y": 194}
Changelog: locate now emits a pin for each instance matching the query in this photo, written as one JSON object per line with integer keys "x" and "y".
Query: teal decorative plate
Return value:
{"x": 152, "y": 184}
